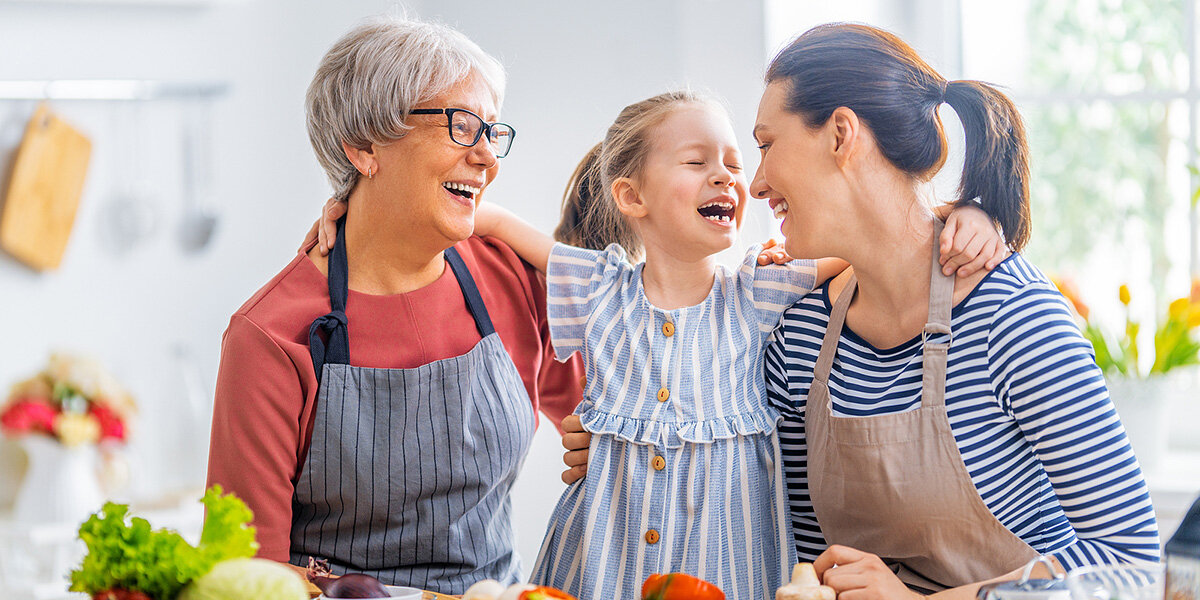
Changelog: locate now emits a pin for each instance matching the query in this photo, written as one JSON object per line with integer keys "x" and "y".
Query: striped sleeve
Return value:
{"x": 575, "y": 279}
{"x": 1045, "y": 376}
{"x": 775, "y": 288}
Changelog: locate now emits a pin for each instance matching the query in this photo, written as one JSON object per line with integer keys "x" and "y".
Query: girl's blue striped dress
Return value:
{"x": 684, "y": 471}
{"x": 1027, "y": 406}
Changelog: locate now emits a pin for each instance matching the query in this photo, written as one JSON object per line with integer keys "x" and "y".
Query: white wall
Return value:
{"x": 572, "y": 66}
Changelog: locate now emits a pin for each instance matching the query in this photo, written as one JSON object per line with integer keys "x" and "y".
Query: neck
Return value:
{"x": 673, "y": 282}
{"x": 892, "y": 263}
{"x": 386, "y": 255}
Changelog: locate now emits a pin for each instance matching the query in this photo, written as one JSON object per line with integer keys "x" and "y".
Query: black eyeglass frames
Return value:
{"x": 466, "y": 128}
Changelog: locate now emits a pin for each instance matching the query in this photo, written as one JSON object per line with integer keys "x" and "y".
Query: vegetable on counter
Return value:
{"x": 490, "y": 589}
{"x": 125, "y": 557}
{"x": 805, "y": 586}
{"x": 350, "y": 585}
{"x": 246, "y": 579}
{"x": 679, "y": 586}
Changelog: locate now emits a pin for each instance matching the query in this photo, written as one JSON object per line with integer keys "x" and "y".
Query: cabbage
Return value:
{"x": 247, "y": 579}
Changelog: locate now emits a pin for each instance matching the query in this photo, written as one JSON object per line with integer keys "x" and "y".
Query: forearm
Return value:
{"x": 531, "y": 245}
{"x": 828, "y": 268}
{"x": 969, "y": 591}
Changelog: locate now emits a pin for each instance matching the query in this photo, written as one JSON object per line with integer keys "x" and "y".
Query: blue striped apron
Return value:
{"x": 409, "y": 471}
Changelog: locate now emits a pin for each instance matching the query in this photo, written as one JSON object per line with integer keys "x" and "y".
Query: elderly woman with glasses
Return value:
{"x": 374, "y": 406}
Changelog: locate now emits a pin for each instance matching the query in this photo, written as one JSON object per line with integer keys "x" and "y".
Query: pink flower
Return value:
{"x": 111, "y": 425}
{"x": 27, "y": 415}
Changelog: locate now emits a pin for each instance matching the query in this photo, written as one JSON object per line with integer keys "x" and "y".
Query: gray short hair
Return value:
{"x": 372, "y": 77}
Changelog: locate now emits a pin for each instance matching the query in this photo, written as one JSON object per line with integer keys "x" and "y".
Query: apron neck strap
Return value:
{"x": 479, "y": 311}
{"x": 335, "y": 348}
{"x": 933, "y": 361}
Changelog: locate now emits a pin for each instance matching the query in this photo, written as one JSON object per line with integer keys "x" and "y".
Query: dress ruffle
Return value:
{"x": 675, "y": 435}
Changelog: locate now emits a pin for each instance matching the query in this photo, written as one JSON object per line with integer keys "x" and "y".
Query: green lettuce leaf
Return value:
{"x": 127, "y": 554}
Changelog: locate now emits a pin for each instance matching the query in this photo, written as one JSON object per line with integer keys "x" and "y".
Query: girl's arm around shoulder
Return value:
{"x": 828, "y": 268}
{"x": 530, "y": 244}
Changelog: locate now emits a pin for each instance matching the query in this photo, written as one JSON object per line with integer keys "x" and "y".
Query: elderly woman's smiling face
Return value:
{"x": 417, "y": 171}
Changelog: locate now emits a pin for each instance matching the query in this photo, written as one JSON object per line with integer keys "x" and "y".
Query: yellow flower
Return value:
{"x": 1178, "y": 308}
{"x": 1124, "y": 294}
{"x": 74, "y": 429}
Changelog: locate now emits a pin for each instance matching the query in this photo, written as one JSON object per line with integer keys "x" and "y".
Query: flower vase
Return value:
{"x": 61, "y": 484}
{"x": 1142, "y": 406}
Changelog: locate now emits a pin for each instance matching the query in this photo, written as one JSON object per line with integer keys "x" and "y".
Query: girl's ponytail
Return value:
{"x": 996, "y": 166}
{"x": 589, "y": 220}
{"x": 590, "y": 217}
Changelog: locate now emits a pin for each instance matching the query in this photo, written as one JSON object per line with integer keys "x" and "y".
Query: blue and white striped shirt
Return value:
{"x": 684, "y": 471}
{"x": 1027, "y": 406}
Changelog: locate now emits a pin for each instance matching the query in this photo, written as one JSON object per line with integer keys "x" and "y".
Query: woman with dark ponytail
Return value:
{"x": 939, "y": 431}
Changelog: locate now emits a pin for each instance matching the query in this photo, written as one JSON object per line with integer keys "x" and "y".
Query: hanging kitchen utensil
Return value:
{"x": 199, "y": 220}
{"x": 130, "y": 214}
{"x": 43, "y": 195}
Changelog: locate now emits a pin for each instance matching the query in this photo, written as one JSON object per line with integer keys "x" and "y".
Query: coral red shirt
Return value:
{"x": 267, "y": 389}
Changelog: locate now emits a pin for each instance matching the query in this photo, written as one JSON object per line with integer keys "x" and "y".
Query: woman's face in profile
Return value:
{"x": 431, "y": 182}
{"x": 795, "y": 172}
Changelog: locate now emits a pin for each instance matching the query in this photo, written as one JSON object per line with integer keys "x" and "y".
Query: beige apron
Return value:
{"x": 895, "y": 485}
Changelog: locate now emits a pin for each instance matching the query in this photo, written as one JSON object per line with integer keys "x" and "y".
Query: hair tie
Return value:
{"x": 942, "y": 90}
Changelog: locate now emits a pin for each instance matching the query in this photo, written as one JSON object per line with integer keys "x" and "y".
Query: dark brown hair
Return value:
{"x": 590, "y": 218}
{"x": 893, "y": 91}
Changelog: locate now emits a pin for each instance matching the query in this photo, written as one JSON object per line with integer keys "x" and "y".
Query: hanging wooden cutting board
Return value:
{"x": 43, "y": 194}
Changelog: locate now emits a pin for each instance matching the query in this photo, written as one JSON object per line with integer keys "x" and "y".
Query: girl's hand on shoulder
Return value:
{"x": 576, "y": 441}
{"x": 773, "y": 252}
{"x": 326, "y": 226}
{"x": 970, "y": 242}
{"x": 857, "y": 575}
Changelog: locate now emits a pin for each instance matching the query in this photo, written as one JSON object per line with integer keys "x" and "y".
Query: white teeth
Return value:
{"x": 723, "y": 205}
{"x": 781, "y": 209}
{"x": 721, "y": 218}
{"x": 462, "y": 187}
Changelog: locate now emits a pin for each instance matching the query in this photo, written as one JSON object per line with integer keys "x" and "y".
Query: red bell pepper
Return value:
{"x": 545, "y": 593}
{"x": 679, "y": 586}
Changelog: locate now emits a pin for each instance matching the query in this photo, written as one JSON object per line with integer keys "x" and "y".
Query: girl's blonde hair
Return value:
{"x": 590, "y": 218}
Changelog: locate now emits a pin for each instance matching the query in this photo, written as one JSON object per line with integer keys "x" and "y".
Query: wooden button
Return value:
{"x": 663, "y": 395}
{"x": 583, "y": 381}
{"x": 659, "y": 463}
{"x": 652, "y": 537}
{"x": 668, "y": 329}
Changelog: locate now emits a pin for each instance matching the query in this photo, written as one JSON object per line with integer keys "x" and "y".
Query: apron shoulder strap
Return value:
{"x": 483, "y": 321}
{"x": 941, "y": 306}
{"x": 335, "y": 349}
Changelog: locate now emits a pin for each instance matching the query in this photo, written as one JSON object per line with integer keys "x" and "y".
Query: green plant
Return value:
{"x": 1175, "y": 339}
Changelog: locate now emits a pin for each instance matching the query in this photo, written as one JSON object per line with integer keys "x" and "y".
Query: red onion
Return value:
{"x": 350, "y": 585}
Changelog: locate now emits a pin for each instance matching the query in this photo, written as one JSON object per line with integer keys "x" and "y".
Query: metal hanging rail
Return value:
{"x": 109, "y": 89}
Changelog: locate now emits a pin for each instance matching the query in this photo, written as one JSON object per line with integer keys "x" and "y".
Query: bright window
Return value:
{"x": 1110, "y": 101}
{"x": 1109, "y": 94}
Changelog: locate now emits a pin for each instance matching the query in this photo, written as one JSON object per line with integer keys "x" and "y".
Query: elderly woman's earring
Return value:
{"x": 370, "y": 172}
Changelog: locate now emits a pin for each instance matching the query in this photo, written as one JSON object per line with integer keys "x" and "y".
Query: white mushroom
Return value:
{"x": 488, "y": 589}
{"x": 805, "y": 586}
